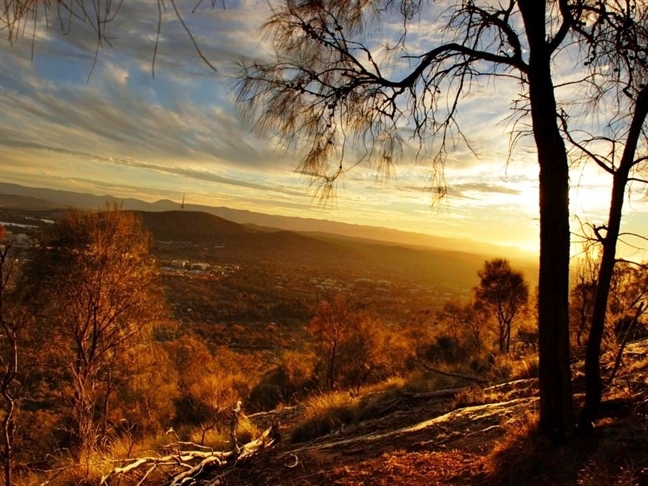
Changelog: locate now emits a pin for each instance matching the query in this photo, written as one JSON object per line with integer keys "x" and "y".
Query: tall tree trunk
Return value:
{"x": 508, "y": 338}
{"x": 556, "y": 410}
{"x": 330, "y": 378}
{"x": 593, "y": 381}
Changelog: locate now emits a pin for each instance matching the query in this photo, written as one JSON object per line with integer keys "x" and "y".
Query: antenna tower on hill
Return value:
{"x": 182, "y": 205}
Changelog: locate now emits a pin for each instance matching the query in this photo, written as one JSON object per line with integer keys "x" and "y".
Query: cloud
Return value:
{"x": 126, "y": 132}
{"x": 104, "y": 118}
{"x": 463, "y": 190}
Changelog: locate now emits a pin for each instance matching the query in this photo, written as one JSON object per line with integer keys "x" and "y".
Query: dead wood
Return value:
{"x": 183, "y": 467}
{"x": 454, "y": 375}
{"x": 448, "y": 392}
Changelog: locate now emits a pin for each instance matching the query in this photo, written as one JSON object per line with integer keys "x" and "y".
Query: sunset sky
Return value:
{"x": 118, "y": 130}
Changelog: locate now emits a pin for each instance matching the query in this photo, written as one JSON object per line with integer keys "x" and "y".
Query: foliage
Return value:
{"x": 93, "y": 287}
{"x": 287, "y": 383}
{"x": 504, "y": 293}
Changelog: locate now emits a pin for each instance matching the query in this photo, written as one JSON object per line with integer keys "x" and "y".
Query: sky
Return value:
{"x": 106, "y": 125}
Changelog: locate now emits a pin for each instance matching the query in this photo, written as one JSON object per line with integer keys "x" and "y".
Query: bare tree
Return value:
{"x": 582, "y": 297}
{"x": 616, "y": 33}
{"x": 328, "y": 87}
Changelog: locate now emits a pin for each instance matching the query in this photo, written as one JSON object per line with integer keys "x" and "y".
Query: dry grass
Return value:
{"x": 88, "y": 470}
{"x": 473, "y": 395}
{"x": 508, "y": 367}
{"x": 323, "y": 414}
{"x": 332, "y": 411}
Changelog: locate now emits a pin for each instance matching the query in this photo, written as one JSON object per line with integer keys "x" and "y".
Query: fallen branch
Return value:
{"x": 454, "y": 375}
{"x": 435, "y": 394}
{"x": 183, "y": 458}
{"x": 184, "y": 467}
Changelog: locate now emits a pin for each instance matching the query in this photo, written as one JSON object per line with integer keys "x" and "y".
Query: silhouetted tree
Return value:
{"x": 616, "y": 33}
{"x": 328, "y": 86}
{"x": 504, "y": 294}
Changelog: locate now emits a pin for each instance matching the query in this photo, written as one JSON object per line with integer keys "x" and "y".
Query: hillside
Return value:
{"x": 190, "y": 226}
{"x": 11, "y": 201}
{"x": 459, "y": 436}
{"x": 268, "y": 254}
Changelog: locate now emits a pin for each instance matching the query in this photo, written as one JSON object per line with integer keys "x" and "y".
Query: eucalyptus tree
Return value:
{"x": 616, "y": 35}
{"x": 328, "y": 86}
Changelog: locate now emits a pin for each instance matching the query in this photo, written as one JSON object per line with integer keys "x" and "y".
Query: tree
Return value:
{"x": 93, "y": 280}
{"x": 331, "y": 327}
{"x": 476, "y": 320}
{"x": 505, "y": 294}
{"x": 451, "y": 316}
{"x": 326, "y": 87}
{"x": 617, "y": 34}
{"x": 582, "y": 297}
{"x": 628, "y": 300}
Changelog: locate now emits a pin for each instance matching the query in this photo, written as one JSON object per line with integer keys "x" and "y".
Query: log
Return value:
{"x": 454, "y": 375}
{"x": 448, "y": 392}
{"x": 197, "y": 469}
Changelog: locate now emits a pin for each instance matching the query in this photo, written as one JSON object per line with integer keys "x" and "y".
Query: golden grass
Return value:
{"x": 473, "y": 395}
{"x": 325, "y": 413}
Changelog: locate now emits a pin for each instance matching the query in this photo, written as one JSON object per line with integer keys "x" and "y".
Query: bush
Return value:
{"x": 286, "y": 384}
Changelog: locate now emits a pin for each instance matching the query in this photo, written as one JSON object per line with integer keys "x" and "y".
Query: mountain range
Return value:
{"x": 14, "y": 195}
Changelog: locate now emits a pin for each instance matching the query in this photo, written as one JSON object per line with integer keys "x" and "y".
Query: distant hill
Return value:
{"x": 27, "y": 202}
{"x": 189, "y": 225}
{"x": 295, "y": 224}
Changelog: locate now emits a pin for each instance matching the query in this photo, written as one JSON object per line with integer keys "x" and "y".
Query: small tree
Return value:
{"x": 331, "y": 327}
{"x": 504, "y": 293}
{"x": 93, "y": 281}
{"x": 476, "y": 318}
{"x": 451, "y": 317}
